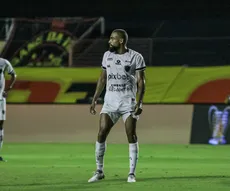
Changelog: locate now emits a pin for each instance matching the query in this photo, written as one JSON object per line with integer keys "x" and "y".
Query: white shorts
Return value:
{"x": 124, "y": 111}
{"x": 3, "y": 109}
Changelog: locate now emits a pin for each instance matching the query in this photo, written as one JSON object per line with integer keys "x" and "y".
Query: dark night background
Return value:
{"x": 158, "y": 21}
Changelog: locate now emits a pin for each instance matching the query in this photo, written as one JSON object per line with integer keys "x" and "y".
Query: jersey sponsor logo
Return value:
{"x": 109, "y": 59}
{"x": 118, "y": 62}
{"x": 119, "y": 88}
{"x": 118, "y": 77}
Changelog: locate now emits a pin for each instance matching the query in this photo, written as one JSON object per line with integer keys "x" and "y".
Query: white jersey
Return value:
{"x": 121, "y": 70}
{"x": 4, "y": 66}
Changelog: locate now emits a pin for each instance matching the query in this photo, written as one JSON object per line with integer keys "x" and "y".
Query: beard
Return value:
{"x": 113, "y": 48}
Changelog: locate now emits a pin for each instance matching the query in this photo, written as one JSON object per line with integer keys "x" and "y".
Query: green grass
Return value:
{"x": 2, "y": 44}
{"x": 65, "y": 167}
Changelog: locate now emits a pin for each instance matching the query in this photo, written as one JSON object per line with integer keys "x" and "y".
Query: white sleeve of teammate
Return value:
{"x": 9, "y": 67}
{"x": 140, "y": 63}
{"x": 103, "y": 65}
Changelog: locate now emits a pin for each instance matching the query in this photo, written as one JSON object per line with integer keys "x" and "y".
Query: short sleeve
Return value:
{"x": 140, "y": 63}
{"x": 9, "y": 67}
{"x": 103, "y": 65}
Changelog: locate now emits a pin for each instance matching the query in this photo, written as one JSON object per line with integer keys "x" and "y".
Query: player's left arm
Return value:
{"x": 140, "y": 87}
{"x": 11, "y": 72}
{"x": 140, "y": 74}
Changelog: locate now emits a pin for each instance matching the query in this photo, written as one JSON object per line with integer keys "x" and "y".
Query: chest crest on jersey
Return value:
{"x": 127, "y": 68}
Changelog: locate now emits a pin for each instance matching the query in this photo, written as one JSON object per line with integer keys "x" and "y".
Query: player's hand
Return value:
{"x": 4, "y": 94}
{"x": 138, "y": 110}
{"x": 92, "y": 108}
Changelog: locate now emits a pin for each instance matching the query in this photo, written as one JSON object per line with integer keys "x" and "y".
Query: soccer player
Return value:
{"x": 124, "y": 77}
{"x": 4, "y": 66}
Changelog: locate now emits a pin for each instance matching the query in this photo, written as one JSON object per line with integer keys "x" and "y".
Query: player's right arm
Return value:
{"x": 100, "y": 86}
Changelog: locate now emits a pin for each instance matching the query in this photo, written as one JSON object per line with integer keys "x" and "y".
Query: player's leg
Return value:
{"x": 106, "y": 123}
{"x": 130, "y": 127}
{"x": 1, "y": 136}
{"x": 2, "y": 119}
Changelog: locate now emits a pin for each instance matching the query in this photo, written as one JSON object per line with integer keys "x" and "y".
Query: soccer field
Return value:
{"x": 61, "y": 167}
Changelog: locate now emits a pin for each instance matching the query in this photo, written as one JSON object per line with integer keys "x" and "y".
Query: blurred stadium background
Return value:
{"x": 58, "y": 61}
{"x": 188, "y": 63}
{"x": 203, "y": 42}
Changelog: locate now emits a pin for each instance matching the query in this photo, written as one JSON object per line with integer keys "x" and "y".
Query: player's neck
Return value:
{"x": 122, "y": 50}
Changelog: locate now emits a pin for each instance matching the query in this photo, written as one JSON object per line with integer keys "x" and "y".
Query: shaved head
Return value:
{"x": 123, "y": 34}
{"x": 118, "y": 40}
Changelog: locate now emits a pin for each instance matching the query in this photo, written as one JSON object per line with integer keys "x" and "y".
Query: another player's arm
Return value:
{"x": 140, "y": 87}
{"x": 100, "y": 85}
{"x": 12, "y": 81}
{"x": 12, "y": 73}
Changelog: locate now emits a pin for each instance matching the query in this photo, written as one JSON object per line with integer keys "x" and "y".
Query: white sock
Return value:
{"x": 1, "y": 138}
{"x": 99, "y": 152}
{"x": 133, "y": 156}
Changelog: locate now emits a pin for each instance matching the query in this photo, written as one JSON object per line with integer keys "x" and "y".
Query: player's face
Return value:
{"x": 115, "y": 42}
